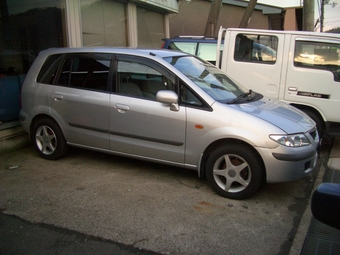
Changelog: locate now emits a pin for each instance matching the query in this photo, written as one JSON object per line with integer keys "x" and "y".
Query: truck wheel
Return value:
{"x": 48, "y": 139}
{"x": 235, "y": 171}
{"x": 319, "y": 122}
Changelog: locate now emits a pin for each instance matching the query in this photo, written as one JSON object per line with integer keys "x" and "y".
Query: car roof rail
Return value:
{"x": 196, "y": 37}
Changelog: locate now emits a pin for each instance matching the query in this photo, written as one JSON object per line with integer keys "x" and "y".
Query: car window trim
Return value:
{"x": 145, "y": 61}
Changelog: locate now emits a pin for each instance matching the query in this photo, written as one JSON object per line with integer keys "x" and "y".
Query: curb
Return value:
{"x": 13, "y": 141}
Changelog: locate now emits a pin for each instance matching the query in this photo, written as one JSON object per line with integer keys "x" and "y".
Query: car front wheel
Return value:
{"x": 235, "y": 171}
{"x": 48, "y": 139}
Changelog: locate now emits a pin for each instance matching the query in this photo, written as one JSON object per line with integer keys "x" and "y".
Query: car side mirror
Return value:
{"x": 326, "y": 204}
{"x": 168, "y": 97}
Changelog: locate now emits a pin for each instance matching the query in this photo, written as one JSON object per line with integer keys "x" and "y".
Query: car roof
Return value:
{"x": 190, "y": 39}
{"x": 117, "y": 50}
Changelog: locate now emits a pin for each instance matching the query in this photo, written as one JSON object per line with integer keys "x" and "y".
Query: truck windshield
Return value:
{"x": 209, "y": 78}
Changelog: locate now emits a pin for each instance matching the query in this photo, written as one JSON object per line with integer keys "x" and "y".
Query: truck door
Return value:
{"x": 254, "y": 59}
{"x": 313, "y": 75}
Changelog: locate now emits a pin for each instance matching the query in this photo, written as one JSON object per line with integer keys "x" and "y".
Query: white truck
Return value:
{"x": 300, "y": 68}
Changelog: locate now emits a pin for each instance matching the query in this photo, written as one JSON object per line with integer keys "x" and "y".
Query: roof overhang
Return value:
{"x": 266, "y": 9}
{"x": 168, "y": 6}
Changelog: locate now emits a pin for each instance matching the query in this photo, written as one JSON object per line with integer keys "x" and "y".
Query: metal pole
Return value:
{"x": 308, "y": 15}
{"x": 322, "y": 15}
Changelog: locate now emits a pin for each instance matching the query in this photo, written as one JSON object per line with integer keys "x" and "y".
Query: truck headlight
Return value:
{"x": 296, "y": 140}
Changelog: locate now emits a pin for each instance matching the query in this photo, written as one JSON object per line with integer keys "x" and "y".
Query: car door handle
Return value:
{"x": 293, "y": 89}
{"x": 122, "y": 108}
{"x": 57, "y": 97}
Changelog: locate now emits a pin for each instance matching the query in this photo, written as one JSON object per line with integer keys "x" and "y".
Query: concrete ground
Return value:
{"x": 151, "y": 207}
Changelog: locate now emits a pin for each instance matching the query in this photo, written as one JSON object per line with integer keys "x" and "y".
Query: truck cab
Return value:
{"x": 300, "y": 68}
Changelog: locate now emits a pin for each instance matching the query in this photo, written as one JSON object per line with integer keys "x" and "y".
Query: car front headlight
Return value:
{"x": 296, "y": 140}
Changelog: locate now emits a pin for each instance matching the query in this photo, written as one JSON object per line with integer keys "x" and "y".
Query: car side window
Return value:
{"x": 188, "y": 97}
{"x": 49, "y": 69}
{"x": 207, "y": 51}
{"x": 256, "y": 48}
{"x": 189, "y": 47}
{"x": 86, "y": 71}
{"x": 141, "y": 80}
{"x": 318, "y": 55}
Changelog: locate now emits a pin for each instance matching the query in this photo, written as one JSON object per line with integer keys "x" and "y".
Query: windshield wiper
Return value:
{"x": 250, "y": 95}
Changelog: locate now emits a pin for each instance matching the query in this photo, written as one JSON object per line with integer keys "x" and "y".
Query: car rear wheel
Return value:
{"x": 48, "y": 139}
{"x": 235, "y": 171}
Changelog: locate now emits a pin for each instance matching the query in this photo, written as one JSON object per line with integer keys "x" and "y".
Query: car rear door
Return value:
{"x": 80, "y": 99}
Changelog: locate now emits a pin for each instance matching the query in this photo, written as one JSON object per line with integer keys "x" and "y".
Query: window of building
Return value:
{"x": 150, "y": 26}
{"x": 27, "y": 27}
{"x": 103, "y": 23}
{"x": 318, "y": 55}
{"x": 256, "y": 48}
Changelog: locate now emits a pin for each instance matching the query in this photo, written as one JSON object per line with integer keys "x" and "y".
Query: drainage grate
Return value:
{"x": 321, "y": 240}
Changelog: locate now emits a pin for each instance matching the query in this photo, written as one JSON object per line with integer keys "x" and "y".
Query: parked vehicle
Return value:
{"x": 167, "y": 107}
{"x": 325, "y": 204}
{"x": 204, "y": 47}
{"x": 299, "y": 68}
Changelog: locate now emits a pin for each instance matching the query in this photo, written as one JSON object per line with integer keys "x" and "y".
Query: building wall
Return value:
{"x": 290, "y": 22}
{"x": 28, "y": 27}
{"x": 192, "y": 18}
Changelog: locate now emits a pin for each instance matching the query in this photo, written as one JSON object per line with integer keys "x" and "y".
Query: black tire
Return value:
{"x": 318, "y": 120}
{"x": 48, "y": 139}
{"x": 235, "y": 171}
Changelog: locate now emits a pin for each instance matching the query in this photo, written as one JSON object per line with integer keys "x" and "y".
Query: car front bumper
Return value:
{"x": 289, "y": 164}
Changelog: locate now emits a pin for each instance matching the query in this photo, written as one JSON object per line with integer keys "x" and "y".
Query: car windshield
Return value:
{"x": 209, "y": 78}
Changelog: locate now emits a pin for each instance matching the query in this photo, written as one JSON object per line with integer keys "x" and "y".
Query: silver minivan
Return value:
{"x": 167, "y": 107}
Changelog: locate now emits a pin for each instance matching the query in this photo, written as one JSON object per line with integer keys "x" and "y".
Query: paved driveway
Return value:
{"x": 160, "y": 208}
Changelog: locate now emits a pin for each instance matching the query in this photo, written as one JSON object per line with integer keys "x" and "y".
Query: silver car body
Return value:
{"x": 154, "y": 131}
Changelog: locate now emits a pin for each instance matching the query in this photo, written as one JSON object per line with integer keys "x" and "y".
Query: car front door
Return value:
{"x": 140, "y": 125}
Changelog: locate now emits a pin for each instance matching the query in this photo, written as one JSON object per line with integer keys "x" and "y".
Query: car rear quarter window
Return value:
{"x": 49, "y": 69}
{"x": 189, "y": 47}
{"x": 207, "y": 51}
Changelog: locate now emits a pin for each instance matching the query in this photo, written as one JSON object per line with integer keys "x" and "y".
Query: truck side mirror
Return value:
{"x": 326, "y": 204}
